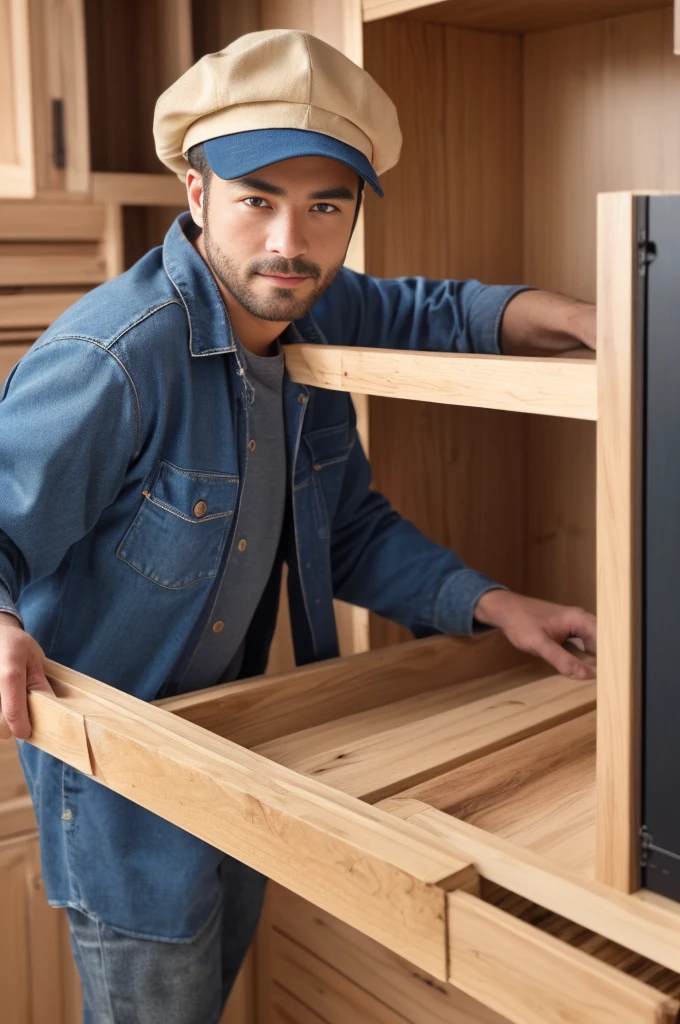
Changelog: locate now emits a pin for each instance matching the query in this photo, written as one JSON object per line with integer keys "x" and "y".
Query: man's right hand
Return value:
{"x": 21, "y": 669}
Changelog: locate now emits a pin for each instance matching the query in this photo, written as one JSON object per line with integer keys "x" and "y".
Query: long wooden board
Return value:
{"x": 548, "y": 387}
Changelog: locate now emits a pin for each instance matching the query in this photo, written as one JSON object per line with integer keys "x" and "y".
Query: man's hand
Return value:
{"x": 539, "y": 323}
{"x": 541, "y": 628}
{"x": 20, "y": 670}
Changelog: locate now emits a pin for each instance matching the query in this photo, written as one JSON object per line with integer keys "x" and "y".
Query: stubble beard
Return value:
{"x": 282, "y": 304}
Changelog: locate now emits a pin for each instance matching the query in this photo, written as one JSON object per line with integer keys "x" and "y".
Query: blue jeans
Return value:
{"x": 127, "y": 980}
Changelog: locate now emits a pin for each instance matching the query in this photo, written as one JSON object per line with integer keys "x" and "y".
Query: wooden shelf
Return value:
{"x": 507, "y": 15}
{"x": 548, "y": 387}
{"x": 138, "y": 189}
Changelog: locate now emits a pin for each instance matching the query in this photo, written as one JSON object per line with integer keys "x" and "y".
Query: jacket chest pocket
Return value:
{"x": 178, "y": 534}
{"x": 327, "y": 452}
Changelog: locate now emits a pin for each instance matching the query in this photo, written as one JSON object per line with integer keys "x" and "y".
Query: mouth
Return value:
{"x": 282, "y": 280}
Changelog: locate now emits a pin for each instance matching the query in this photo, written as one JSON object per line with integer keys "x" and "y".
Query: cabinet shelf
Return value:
{"x": 503, "y": 16}
{"x": 545, "y": 386}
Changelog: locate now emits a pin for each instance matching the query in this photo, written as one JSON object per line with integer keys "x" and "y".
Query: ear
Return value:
{"x": 194, "y": 184}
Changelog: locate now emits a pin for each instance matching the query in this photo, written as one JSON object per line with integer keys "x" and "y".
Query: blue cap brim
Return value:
{"x": 232, "y": 156}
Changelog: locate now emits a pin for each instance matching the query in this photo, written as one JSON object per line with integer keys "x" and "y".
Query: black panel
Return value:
{"x": 659, "y": 345}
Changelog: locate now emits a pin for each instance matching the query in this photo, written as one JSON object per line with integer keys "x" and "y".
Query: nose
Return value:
{"x": 287, "y": 236}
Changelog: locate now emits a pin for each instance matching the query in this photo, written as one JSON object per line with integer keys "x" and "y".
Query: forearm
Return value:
{"x": 544, "y": 323}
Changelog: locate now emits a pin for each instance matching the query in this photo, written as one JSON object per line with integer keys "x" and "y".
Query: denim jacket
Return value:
{"x": 129, "y": 410}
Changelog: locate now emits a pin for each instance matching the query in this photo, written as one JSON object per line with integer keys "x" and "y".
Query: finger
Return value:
{"x": 565, "y": 663}
{"x": 584, "y": 626}
{"x": 13, "y": 700}
{"x": 35, "y": 675}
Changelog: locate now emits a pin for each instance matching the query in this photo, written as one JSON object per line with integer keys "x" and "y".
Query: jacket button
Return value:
{"x": 200, "y": 509}
{"x": 218, "y": 626}
{"x": 252, "y": 445}
{"x": 302, "y": 399}
{"x": 242, "y": 544}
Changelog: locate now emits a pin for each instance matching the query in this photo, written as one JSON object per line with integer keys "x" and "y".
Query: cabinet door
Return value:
{"x": 37, "y": 976}
{"x": 17, "y": 167}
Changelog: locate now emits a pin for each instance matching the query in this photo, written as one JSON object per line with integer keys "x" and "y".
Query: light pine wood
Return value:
{"x": 539, "y": 792}
{"x": 458, "y": 473}
{"x": 534, "y": 978}
{"x": 416, "y": 996}
{"x": 34, "y": 309}
{"x": 388, "y": 881}
{"x": 138, "y": 189}
{"x": 286, "y": 1009}
{"x": 551, "y": 387}
{"x": 377, "y": 766}
{"x": 507, "y": 15}
{"x": 16, "y": 816}
{"x": 645, "y": 927}
{"x": 59, "y": 727}
{"x": 51, "y": 267}
{"x": 9, "y": 357}
{"x": 14, "y": 934}
{"x": 257, "y": 711}
{"x": 57, "y": 222}
{"x": 618, "y": 569}
{"x": 17, "y": 161}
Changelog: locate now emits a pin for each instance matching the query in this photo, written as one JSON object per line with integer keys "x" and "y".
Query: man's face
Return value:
{"x": 277, "y": 237}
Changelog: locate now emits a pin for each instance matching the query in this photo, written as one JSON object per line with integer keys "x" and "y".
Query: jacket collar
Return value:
{"x": 210, "y": 329}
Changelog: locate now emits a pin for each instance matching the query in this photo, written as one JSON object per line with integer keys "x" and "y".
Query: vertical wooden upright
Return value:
{"x": 618, "y": 582}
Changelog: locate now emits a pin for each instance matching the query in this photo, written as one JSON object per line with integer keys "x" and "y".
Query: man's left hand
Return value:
{"x": 542, "y": 628}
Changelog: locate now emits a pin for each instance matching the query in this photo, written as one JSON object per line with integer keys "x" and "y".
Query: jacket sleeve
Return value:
{"x": 69, "y": 426}
{"x": 383, "y": 562}
{"x": 413, "y": 313}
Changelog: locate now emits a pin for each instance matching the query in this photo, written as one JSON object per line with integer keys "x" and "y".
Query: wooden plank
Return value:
{"x": 507, "y": 15}
{"x": 286, "y": 1009}
{"x": 546, "y": 386}
{"x": 14, "y": 966}
{"x": 35, "y": 309}
{"x": 260, "y": 710}
{"x": 407, "y": 990}
{"x": 539, "y": 792}
{"x": 59, "y": 728}
{"x": 50, "y": 268}
{"x": 17, "y": 816}
{"x": 646, "y": 928}
{"x": 375, "y": 767}
{"x": 330, "y": 848}
{"x": 618, "y": 568}
{"x": 138, "y": 189}
{"x": 44, "y": 222}
{"x": 534, "y": 978}
{"x": 17, "y": 162}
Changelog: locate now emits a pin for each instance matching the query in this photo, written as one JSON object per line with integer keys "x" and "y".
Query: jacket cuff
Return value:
{"x": 6, "y": 602}
{"x": 458, "y": 596}
{"x": 486, "y": 316}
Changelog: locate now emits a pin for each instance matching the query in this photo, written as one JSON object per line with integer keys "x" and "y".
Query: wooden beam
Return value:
{"x": 546, "y": 386}
{"x": 50, "y": 267}
{"x": 618, "y": 570}
{"x": 34, "y": 309}
{"x": 532, "y": 977}
{"x": 138, "y": 189}
{"x": 383, "y": 877}
{"x": 9, "y": 357}
{"x": 260, "y": 710}
{"x": 643, "y": 927}
{"x": 51, "y": 222}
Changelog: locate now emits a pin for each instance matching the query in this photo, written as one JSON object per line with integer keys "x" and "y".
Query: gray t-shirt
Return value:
{"x": 258, "y": 527}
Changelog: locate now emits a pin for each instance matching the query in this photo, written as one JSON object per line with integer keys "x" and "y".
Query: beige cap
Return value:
{"x": 280, "y": 78}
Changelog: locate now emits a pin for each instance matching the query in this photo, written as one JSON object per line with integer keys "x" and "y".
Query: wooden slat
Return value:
{"x": 59, "y": 728}
{"x": 341, "y": 854}
{"x": 17, "y": 816}
{"x": 138, "y": 189}
{"x": 507, "y": 15}
{"x": 418, "y": 997}
{"x": 618, "y": 583}
{"x": 260, "y": 710}
{"x": 17, "y": 159}
{"x": 539, "y": 792}
{"x": 550, "y": 387}
{"x": 534, "y": 978}
{"x": 53, "y": 268}
{"x": 43, "y": 222}
{"x": 375, "y": 767}
{"x": 646, "y": 928}
{"x": 35, "y": 309}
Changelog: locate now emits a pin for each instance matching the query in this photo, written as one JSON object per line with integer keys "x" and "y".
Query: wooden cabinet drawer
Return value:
{"x": 308, "y": 777}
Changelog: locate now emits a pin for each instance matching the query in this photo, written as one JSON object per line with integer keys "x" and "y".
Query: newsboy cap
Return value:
{"x": 272, "y": 95}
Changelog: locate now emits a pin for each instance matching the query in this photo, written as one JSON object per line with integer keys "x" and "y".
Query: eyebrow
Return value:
{"x": 260, "y": 185}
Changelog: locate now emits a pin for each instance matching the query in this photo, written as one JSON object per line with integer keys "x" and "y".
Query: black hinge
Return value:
{"x": 58, "y": 137}
{"x": 646, "y": 252}
{"x": 646, "y": 844}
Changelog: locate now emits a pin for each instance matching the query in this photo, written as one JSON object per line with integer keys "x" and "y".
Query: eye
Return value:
{"x": 255, "y": 200}
{"x": 329, "y": 208}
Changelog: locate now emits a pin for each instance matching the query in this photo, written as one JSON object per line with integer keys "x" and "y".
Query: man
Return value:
{"x": 157, "y": 467}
